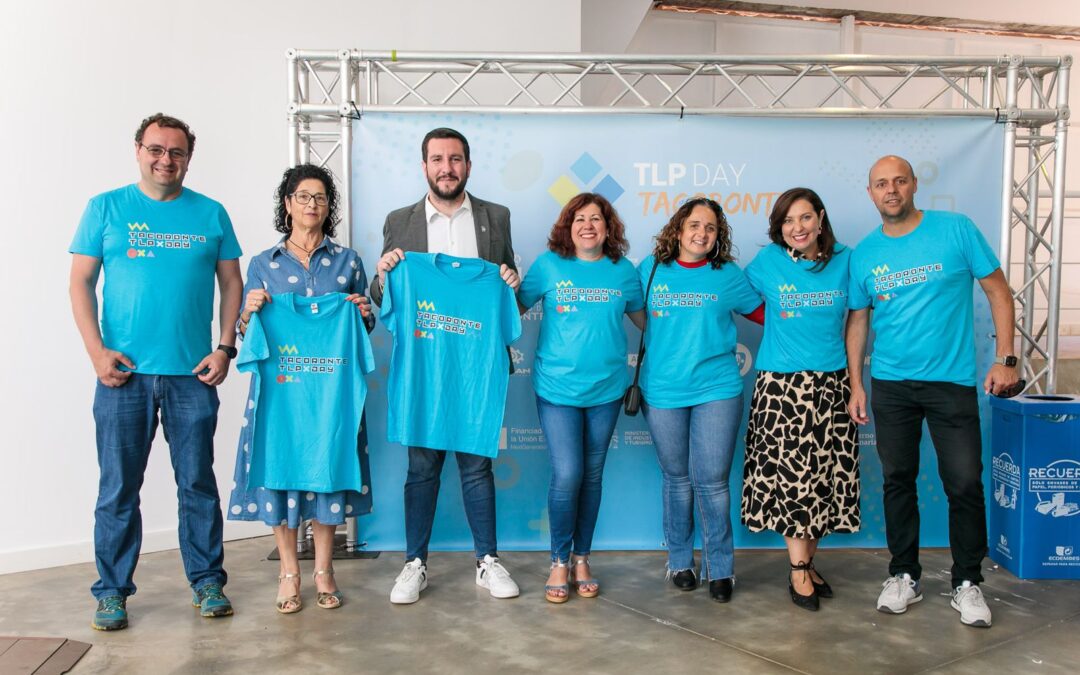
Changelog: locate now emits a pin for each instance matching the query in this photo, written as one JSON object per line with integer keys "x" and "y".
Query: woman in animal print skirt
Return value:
{"x": 801, "y": 473}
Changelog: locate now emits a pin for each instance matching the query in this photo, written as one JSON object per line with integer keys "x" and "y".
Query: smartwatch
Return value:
{"x": 231, "y": 351}
{"x": 1007, "y": 361}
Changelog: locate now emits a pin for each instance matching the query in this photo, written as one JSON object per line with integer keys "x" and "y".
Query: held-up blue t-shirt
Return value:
{"x": 581, "y": 352}
{"x": 308, "y": 357}
{"x": 452, "y": 320}
{"x": 690, "y": 333}
{"x": 804, "y": 310}
{"x": 919, "y": 286}
{"x": 160, "y": 261}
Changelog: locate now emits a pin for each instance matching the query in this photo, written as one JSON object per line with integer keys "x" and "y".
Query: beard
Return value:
{"x": 447, "y": 195}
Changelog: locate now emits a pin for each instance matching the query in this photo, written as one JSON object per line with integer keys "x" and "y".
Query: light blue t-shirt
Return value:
{"x": 160, "y": 260}
{"x": 581, "y": 352}
{"x": 804, "y": 310}
{"x": 690, "y": 333}
{"x": 919, "y": 286}
{"x": 452, "y": 320}
{"x": 308, "y": 357}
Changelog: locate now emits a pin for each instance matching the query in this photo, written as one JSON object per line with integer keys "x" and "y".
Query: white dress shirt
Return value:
{"x": 455, "y": 235}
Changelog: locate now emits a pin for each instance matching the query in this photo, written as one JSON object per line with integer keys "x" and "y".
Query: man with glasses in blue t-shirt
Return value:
{"x": 161, "y": 246}
{"x": 916, "y": 273}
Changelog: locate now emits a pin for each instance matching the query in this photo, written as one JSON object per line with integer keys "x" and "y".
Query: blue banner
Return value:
{"x": 646, "y": 165}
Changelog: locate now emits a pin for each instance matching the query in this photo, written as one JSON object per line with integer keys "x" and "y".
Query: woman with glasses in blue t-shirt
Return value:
{"x": 801, "y": 472}
{"x": 587, "y": 285}
{"x": 693, "y": 387}
{"x": 306, "y": 262}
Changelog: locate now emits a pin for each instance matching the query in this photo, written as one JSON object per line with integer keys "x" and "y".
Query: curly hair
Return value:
{"x": 615, "y": 244}
{"x": 667, "y": 241}
{"x": 826, "y": 240}
{"x": 293, "y": 177}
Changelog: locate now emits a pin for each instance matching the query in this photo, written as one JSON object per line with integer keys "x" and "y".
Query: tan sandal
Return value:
{"x": 288, "y": 604}
{"x": 557, "y": 593}
{"x": 330, "y": 600}
{"x": 580, "y": 584}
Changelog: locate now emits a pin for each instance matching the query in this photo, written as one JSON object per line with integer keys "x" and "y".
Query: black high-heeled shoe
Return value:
{"x": 809, "y": 602}
{"x": 824, "y": 590}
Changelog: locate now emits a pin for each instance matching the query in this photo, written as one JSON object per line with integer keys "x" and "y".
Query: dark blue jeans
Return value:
{"x": 951, "y": 412}
{"x": 577, "y": 441}
{"x": 422, "y": 493}
{"x": 127, "y": 418}
{"x": 695, "y": 446}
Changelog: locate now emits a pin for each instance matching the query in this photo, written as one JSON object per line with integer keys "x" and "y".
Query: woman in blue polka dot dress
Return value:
{"x": 306, "y": 262}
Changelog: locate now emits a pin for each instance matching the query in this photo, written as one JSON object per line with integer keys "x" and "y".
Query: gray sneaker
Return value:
{"x": 897, "y": 593}
{"x": 969, "y": 601}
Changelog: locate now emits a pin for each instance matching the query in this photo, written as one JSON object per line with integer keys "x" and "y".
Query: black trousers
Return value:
{"x": 951, "y": 412}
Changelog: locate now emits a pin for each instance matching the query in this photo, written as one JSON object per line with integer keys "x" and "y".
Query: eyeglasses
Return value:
{"x": 157, "y": 152}
{"x": 305, "y": 198}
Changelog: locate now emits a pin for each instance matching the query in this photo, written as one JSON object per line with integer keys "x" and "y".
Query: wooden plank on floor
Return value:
{"x": 27, "y": 654}
{"x": 64, "y": 659}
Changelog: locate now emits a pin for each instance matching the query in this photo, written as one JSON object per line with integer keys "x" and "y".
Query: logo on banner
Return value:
{"x": 1063, "y": 555}
{"x": 1003, "y": 546}
{"x": 143, "y": 242}
{"x": 743, "y": 358}
{"x": 586, "y": 170}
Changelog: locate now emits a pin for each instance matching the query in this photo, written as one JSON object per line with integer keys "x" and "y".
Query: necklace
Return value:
{"x": 308, "y": 251}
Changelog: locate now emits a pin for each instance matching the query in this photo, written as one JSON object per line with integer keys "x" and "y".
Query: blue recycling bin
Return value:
{"x": 1034, "y": 516}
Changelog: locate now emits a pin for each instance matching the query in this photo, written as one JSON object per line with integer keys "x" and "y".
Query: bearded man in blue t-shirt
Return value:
{"x": 448, "y": 220}
{"x": 916, "y": 273}
{"x": 161, "y": 246}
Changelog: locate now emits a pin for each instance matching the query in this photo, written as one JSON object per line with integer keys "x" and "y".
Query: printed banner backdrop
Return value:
{"x": 646, "y": 165}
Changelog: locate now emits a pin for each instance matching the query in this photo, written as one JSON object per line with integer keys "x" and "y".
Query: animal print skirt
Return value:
{"x": 801, "y": 473}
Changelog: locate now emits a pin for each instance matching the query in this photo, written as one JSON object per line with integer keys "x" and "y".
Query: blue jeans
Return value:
{"x": 577, "y": 441}
{"x": 695, "y": 446}
{"x": 127, "y": 418}
{"x": 422, "y": 493}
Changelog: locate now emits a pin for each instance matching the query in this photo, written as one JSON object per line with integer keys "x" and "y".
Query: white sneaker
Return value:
{"x": 969, "y": 601}
{"x": 409, "y": 583}
{"x": 490, "y": 574}
{"x": 898, "y": 592}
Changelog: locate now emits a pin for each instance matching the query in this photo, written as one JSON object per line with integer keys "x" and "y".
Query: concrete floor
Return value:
{"x": 639, "y": 624}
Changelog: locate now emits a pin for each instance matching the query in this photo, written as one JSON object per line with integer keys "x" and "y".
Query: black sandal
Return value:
{"x": 809, "y": 602}
{"x": 824, "y": 590}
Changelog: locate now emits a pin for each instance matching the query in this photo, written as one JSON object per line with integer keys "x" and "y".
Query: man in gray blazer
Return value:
{"x": 448, "y": 220}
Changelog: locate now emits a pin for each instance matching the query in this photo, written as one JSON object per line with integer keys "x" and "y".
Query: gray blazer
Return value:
{"x": 406, "y": 228}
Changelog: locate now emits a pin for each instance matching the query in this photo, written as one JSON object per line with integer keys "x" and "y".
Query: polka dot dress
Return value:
{"x": 332, "y": 269}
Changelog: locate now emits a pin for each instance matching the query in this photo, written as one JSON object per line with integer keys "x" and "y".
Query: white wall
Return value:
{"x": 76, "y": 78}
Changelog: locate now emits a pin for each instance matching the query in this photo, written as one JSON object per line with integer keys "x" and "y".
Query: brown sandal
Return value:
{"x": 288, "y": 604}
{"x": 330, "y": 600}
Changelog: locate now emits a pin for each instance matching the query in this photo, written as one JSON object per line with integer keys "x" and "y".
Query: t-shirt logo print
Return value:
{"x": 142, "y": 241}
{"x": 291, "y": 362}
{"x": 561, "y": 296}
{"x": 785, "y": 290}
{"x": 428, "y": 321}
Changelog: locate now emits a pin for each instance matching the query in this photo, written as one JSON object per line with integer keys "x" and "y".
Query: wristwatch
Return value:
{"x": 1008, "y": 361}
{"x": 231, "y": 351}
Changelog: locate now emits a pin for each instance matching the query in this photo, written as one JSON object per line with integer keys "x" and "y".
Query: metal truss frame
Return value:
{"x": 328, "y": 89}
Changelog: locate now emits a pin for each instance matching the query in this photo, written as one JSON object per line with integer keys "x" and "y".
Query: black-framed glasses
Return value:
{"x": 157, "y": 152}
{"x": 304, "y": 198}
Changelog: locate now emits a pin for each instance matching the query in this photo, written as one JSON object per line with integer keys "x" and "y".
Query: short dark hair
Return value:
{"x": 293, "y": 177}
{"x": 166, "y": 122}
{"x": 826, "y": 238}
{"x": 444, "y": 132}
{"x": 561, "y": 242}
{"x": 667, "y": 242}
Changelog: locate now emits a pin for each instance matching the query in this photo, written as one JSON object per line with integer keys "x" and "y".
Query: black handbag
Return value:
{"x": 632, "y": 398}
